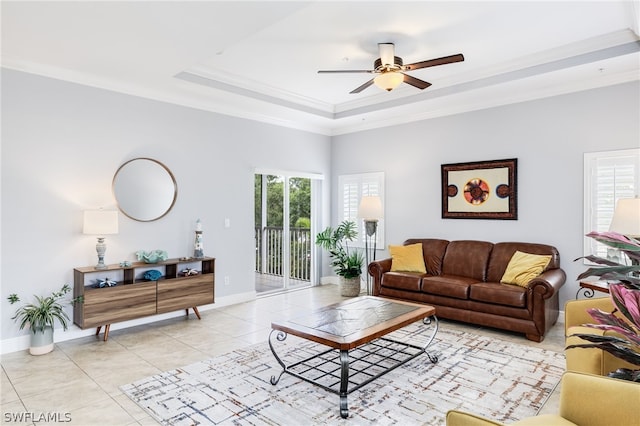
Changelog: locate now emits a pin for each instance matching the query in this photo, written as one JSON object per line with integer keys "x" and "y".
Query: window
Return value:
{"x": 351, "y": 189}
{"x": 608, "y": 176}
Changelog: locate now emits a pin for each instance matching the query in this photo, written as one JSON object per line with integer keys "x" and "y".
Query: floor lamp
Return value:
{"x": 370, "y": 211}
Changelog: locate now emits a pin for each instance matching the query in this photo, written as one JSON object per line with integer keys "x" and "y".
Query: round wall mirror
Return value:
{"x": 145, "y": 189}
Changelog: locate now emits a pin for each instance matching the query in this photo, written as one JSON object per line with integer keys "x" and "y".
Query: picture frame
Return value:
{"x": 480, "y": 190}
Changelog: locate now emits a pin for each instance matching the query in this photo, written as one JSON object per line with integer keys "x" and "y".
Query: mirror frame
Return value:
{"x": 169, "y": 173}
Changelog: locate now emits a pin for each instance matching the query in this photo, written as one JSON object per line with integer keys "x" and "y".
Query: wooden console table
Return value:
{"x": 135, "y": 297}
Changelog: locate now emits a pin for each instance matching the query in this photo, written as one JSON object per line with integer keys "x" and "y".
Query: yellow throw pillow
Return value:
{"x": 523, "y": 267}
{"x": 407, "y": 258}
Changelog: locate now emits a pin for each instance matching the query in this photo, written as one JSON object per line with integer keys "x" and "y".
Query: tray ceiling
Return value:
{"x": 259, "y": 60}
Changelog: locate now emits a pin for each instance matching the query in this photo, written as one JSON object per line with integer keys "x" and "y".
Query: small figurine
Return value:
{"x": 189, "y": 272}
{"x": 125, "y": 264}
{"x": 105, "y": 283}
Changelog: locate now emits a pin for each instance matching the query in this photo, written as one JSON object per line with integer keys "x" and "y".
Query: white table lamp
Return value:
{"x": 100, "y": 223}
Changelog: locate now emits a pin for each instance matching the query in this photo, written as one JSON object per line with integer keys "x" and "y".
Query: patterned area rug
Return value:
{"x": 491, "y": 377}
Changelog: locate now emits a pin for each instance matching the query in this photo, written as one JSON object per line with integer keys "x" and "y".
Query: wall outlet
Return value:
{"x": 226, "y": 280}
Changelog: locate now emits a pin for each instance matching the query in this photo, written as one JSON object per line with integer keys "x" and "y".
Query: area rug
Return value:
{"x": 496, "y": 378}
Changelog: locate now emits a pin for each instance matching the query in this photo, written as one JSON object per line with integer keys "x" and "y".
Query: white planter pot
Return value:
{"x": 349, "y": 287}
{"x": 41, "y": 341}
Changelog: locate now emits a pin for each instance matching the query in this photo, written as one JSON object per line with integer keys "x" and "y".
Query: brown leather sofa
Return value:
{"x": 463, "y": 284}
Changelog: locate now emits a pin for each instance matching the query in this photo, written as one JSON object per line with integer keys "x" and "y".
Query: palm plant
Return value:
{"x": 43, "y": 313}
{"x": 625, "y": 296}
{"x": 346, "y": 262}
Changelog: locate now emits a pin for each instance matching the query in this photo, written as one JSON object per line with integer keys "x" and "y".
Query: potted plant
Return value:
{"x": 41, "y": 317}
{"x": 624, "y": 290}
{"x": 346, "y": 262}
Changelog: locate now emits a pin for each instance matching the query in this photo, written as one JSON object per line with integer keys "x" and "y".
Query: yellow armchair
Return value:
{"x": 585, "y": 400}
{"x": 591, "y": 360}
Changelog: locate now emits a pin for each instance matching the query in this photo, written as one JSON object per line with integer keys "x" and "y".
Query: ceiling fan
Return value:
{"x": 389, "y": 69}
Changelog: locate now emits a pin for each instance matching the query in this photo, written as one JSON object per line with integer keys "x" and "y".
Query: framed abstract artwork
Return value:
{"x": 480, "y": 190}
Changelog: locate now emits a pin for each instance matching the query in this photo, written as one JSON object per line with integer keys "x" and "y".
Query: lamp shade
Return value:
{"x": 626, "y": 217}
{"x": 389, "y": 80}
{"x": 100, "y": 222}
{"x": 370, "y": 208}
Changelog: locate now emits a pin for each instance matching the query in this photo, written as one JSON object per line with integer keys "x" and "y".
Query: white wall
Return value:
{"x": 61, "y": 145}
{"x": 548, "y": 137}
{"x": 62, "y": 142}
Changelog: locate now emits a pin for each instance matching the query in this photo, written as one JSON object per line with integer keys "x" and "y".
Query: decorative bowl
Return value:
{"x": 153, "y": 256}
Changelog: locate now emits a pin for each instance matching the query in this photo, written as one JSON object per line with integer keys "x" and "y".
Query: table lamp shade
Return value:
{"x": 370, "y": 208}
{"x": 626, "y": 217}
{"x": 100, "y": 222}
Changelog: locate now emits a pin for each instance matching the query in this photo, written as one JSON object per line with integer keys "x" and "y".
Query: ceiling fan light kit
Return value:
{"x": 389, "y": 69}
{"x": 389, "y": 80}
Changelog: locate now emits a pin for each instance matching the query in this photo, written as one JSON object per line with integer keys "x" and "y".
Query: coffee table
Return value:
{"x": 358, "y": 352}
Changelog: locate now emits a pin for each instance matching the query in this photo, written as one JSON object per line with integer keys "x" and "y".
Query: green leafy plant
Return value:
{"x": 44, "y": 312}
{"x": 624, "y": 290}
{"x": 346, "y": 262}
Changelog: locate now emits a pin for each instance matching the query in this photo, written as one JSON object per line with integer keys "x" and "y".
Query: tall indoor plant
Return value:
{"x": 624, "y": 289}
{"x": 41, "y": 317}
{"x": 346, "y": 261}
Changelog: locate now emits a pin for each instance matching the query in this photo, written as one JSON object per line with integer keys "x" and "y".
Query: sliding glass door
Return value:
{"x": 283, "y": 232}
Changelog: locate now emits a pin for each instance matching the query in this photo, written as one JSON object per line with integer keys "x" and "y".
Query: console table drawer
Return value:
{"x": 182, "y": 293}
{"x": 114, "y": 304}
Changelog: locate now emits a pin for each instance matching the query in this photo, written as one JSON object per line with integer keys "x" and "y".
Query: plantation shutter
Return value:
{"x": 609, "y": 176}
{"x": 352, "y": 188}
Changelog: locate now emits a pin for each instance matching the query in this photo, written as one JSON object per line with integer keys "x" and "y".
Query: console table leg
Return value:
{"x": 98, "y": 330}
{"x": 344, "y": 383}
{"x": 195, "y": 310}
{"x": 106, "y": 331}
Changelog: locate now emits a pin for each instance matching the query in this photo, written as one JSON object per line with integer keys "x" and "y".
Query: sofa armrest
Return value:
{"x": 376, "y": 270}
{"x": 548, "y": 283}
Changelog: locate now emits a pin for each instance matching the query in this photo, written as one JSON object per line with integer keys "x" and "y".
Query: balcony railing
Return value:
{"x": 270, "y": 247}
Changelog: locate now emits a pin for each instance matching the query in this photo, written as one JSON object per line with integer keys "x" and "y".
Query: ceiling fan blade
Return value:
{"x": 361, "y": 88}
{"x": 433, "y": 62}
{"x": 343, "y": 71}
{"x": 387, "y": 53}
{"x": 416, "y": 82}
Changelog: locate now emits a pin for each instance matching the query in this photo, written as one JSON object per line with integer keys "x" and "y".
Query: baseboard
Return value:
{"x": 22, "y": 342}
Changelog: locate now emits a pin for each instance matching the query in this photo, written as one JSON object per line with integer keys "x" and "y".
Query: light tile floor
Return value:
{"x": 80, "y": 378}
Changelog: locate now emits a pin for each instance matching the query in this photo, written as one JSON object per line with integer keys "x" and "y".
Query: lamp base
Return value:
{"x": 101, "y": 248}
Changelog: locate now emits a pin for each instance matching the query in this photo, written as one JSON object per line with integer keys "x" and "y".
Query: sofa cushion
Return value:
{"x": 448, "y": 285}
{"x": 501, "y": 294}
{"x": 467, "y": 259}
{"x": 402, "y": 280}
{"x": 407, "y": 258}
{"x": 523, "y": 267}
